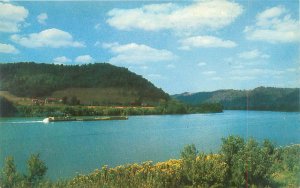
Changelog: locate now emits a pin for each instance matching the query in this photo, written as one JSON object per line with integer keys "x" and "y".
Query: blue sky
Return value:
{"x": 179, "y": 46}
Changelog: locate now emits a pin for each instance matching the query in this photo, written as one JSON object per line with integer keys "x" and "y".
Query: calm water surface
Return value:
{"x": 80, "y": 147}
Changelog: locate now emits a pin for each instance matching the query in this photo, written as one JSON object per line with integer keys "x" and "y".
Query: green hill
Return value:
{"x": 93, "y": 84}
{"x": 261, "y": 98}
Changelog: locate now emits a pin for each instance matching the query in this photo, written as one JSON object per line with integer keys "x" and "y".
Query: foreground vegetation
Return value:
{"x": 239, "y": 163}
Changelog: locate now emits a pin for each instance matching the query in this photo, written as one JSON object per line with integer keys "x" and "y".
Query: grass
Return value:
{"x": 15, "y": 99}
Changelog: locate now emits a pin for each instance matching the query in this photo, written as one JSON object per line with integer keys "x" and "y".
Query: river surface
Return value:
{"x": 80, "y": 147}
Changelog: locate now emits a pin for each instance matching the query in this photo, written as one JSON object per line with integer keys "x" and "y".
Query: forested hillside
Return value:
{"x": 261, "y": 98}
{"x": 113, "y": 84}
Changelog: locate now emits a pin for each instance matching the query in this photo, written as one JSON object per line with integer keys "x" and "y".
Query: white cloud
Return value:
{"x": 274, "y": 25}
{"x": 53, "y": 38}
{"x": 97, "y": 26}
{"x": 293, "y": 70}
{"x": 209, "y": 72}
{"x": 144, "y": 67}
{"x": 253, "y": 54}
{"x": 11, "y": 17}
{"x": 201, "y": 15}
{"x": 61, "y": 60}
{"x": 206, "y": 42}
{"x": 201, "y": 64}
{"x": 155, "y": 77}
{"x": 41, "y": 18}
{"x": 133, "y": 53}
{"x": 269, "y": 14}
{"x": 242, "y": 78}
{"x": 98, "y": 44}
{"x": 216, "y": 78}
{"x": 8, "y": 49}
{"x": 248, "y": 74}
{"x": 171, "y": 66}
{"x": 85, "y": 59}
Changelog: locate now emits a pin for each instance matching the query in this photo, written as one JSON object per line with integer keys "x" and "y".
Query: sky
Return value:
{"x": 180, "y": 46}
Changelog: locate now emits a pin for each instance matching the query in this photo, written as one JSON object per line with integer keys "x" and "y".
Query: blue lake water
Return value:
{"x": 80, "y": 147}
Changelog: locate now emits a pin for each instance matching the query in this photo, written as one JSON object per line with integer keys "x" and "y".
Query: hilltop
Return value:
{"x": 261, "y": 98}
{"x": 91, "y": 84}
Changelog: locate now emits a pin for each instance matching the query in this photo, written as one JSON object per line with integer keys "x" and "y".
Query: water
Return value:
{"x": 80, "y": 147}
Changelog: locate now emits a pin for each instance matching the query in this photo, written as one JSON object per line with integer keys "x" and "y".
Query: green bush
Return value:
{"x": 239, "y": 163}
{"x": 36, "y": 168}
{"x": 10, "y": 175}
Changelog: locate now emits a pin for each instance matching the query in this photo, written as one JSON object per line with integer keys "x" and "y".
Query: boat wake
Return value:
{"x": 46, "y": 120}
{"x": 22, "y": 122}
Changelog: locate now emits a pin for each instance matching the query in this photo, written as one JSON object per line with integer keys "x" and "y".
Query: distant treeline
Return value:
{"x": 261, "y": 98}
{"x": 170, "y": 107}
{"x": 239, "y": 163}
{"x": 37, "y": 80}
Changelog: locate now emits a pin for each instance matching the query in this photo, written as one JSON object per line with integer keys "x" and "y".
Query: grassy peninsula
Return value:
{"x": 239, "y": 163}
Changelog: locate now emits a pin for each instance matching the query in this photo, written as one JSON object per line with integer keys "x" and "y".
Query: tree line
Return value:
{"x": 168, "y": 107}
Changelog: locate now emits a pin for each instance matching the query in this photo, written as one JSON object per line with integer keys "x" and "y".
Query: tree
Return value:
{"x": 36, "y": 168}
{"x": 10, "y": 175}
{"x": 249, "y": 163}
{"x": 231, "y": 147}
{"x": 74, "y": 101}
{"x": 6, "y": 107}
{"x": 188, "y": 156}
{"x": 65, "y": 100}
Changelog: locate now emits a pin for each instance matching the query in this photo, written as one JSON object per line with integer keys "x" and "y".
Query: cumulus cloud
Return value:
{"x": 249, "y": 74}
{"x": 216, "y": 78}
{"x": 61, "y": 60}
{"x": 197, "y": 16}
{"x": 8, "y": 49}
{"x": 53, "y": 38}
{"x": 11, "y": 17}
{"x": 253, "y": 54}
{"x": 85, "y": 59}
{"x": 155, "y": 76}
{"x": 293, "y": 70}
{"x": 274, "y": 25}
{"x": 205, "y": 42}
{"x": 201, "y": 64}
{"x": 209, "y": 72}
{"x": 171, "y": 66}
{"x": 97, "y": 26}
{"x": 41, "y": 18}
{"x": 133, "y": 53}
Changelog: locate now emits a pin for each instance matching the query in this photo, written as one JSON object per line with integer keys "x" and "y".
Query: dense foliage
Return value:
{"x": 170, "y": 107}
{"x": 38, "y": 80}
{"x": 261, "y": 98}
{"x": 240, "y": 163}
{"x": 7, "y": 108}
{"x": 11, "y": 178}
